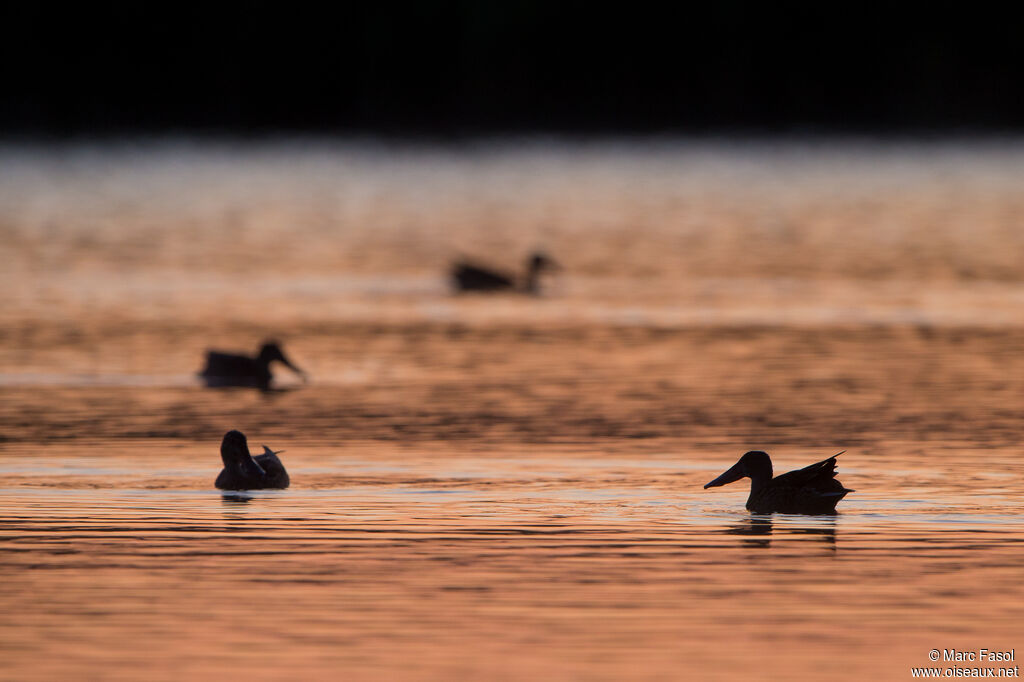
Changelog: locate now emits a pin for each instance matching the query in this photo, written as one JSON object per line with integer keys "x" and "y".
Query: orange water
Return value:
{"x": 510, "y": 488}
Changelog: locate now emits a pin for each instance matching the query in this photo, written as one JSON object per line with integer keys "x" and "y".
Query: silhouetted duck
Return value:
{"x": 469, "y": 277}
{"x": 242, "y": 471}
{"x": 811, "y": 490}
{"x": 228, "y": 369}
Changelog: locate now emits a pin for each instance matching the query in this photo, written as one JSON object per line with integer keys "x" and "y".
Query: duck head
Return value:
{"x": 536, "y": 264}
{"x": 755, "y": 465}
{"x": 234, "y": 451}
{"x": 541, "y": 261}
{"x": 271, "y": 351}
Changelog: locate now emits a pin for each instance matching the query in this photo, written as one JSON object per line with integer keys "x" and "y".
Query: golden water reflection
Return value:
{"x": 425, "y": 564}
{"x": 510, "y": 487}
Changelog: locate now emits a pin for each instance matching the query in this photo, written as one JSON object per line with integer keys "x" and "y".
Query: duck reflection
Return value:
{"x": 826, "y": 531}
{"x": 758, "y": 529}
{"x": 235, "y": 499}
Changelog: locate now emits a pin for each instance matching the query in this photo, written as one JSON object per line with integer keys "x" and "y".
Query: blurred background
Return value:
{"x": 782, "y": 226}
{"x": 200, "y": 178}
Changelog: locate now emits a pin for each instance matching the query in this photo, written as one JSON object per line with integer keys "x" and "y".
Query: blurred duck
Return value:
{"x": 811, "y": 490}
{"x": 242, "y": 471}
{"x": 227, "y": 369}
{"x": 469, "y": 277}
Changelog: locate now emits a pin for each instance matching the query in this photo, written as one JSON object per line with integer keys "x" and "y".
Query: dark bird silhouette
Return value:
{"x": 242, "y": 471}
{"x": 470, "y": 277}
{"x": 811, "y": 490}
{"x": 229, "y": 369}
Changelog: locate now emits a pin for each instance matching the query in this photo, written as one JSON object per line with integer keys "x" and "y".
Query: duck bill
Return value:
{"x": 733, "y": 474}
{"x": 288, "y": 363}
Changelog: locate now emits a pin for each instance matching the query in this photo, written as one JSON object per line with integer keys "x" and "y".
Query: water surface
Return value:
{"x": 509, "y": 488}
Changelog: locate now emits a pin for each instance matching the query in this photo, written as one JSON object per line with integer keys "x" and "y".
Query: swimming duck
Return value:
{"x": 811, "y": 490}
{"x": 228, "y": 369}
{"x": 242, "y": 471}
{"x": 469, "y": 277}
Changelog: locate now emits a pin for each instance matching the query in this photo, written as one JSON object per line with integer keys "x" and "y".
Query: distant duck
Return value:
{"x": 469, "y": 277}
{"x": 228, "y": 369}
{"x": 811, "y": 490}
{"x": 242, "y": 471}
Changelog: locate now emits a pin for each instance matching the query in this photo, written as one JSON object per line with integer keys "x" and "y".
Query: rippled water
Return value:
{"x": 510, "y": 488}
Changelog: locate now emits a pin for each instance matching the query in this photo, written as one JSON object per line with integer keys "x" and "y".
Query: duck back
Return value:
{"x": 228, "y": 369}
{"x": 811, "y": 490}
{"x": 468, "y": 277}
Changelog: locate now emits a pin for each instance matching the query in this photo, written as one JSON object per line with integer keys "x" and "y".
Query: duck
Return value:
{"x": 811, "y": 490}
{"x": 469, "y": 277}
{"x": 231, "y": 369}
{"x": 242, "y": 471}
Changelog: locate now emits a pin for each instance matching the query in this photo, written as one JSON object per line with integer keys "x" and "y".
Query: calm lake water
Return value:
{"x": 510, "y": 487}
